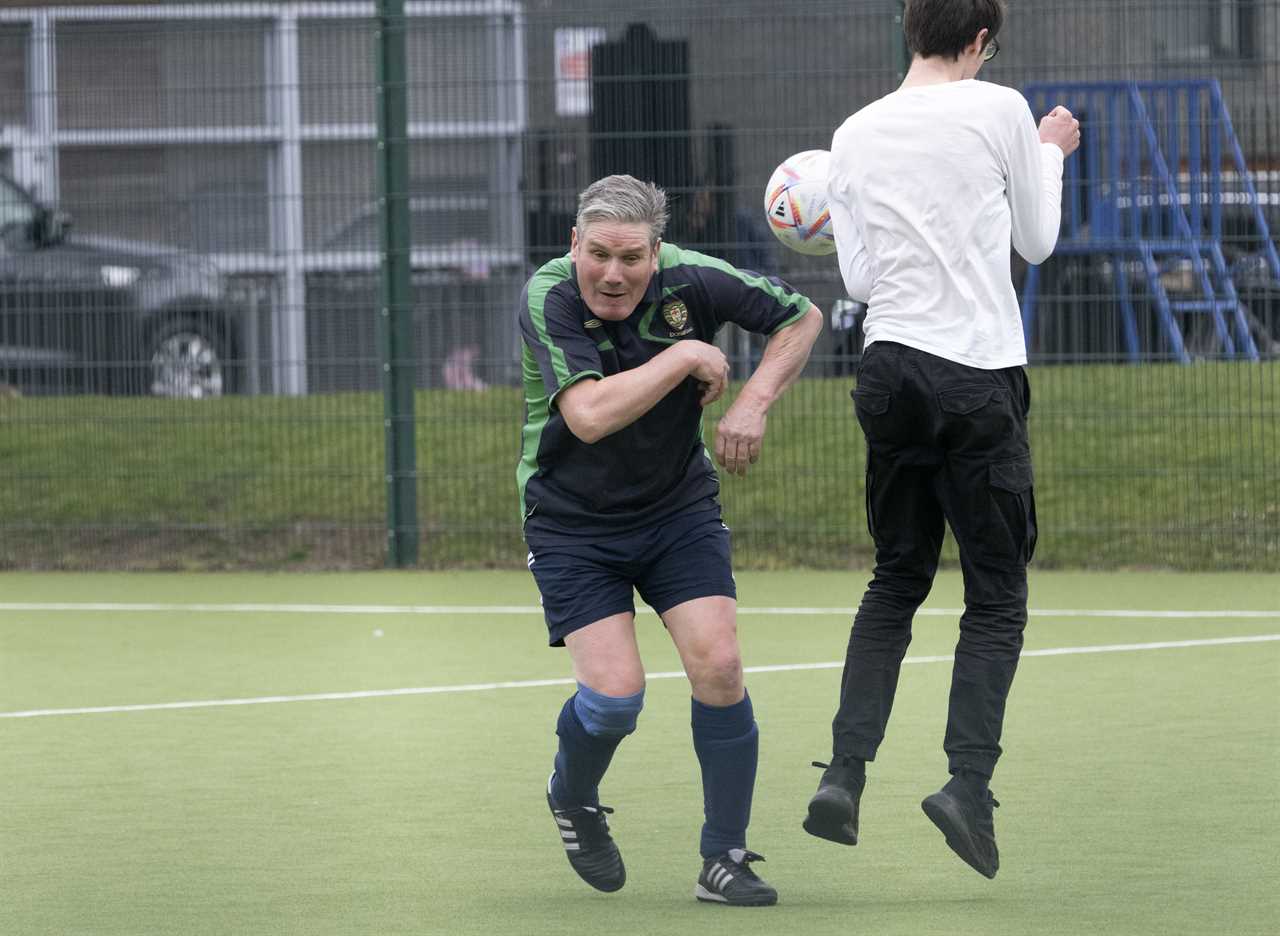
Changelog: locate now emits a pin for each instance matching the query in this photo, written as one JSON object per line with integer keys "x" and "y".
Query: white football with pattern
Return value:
{"x": 795, "y": 204}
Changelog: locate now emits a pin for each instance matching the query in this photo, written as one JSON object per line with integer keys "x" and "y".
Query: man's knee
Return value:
{"x": 995, "y": 597}
{"x": 885, "y": 614}
{"x": 994, "y": 627}
{"x": 606, "y": 716}
{"x": 900, "y": 588}
{"x": 717, "y": 671}
{"x": 724, "y": 663}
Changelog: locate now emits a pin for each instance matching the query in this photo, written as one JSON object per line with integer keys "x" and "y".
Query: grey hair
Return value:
{"x": 624, "y": 199}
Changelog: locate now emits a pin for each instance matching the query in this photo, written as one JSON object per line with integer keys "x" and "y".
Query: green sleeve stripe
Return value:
{"x": 536, "y": 415}
{"x": 791, "y": 321}
{"x": 546, "y": 279}
{"x": 674, "y": 256}
{"x": 573, "y": 380}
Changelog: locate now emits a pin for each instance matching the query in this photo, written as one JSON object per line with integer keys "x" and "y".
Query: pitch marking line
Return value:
{"x": 535, "y": 609}
{"x": 534, "y": 683}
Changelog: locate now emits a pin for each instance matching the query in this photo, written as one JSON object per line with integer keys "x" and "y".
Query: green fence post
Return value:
{"x": 901, "y": 55}
{"x": 395, "y": 312}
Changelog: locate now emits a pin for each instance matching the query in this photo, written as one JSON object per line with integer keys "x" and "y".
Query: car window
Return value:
{"x": 433, "y": 221}
{"x": 361, "y": 234}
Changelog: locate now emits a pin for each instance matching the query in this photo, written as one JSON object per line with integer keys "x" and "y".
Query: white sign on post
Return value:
{"x": 573, "y": 70}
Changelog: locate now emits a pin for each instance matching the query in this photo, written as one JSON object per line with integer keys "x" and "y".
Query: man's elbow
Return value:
{"x": 584, "y": 425}
{"x": 579, "y": 406}
{"x": 800, "y": 334}
{"x": 1036, "y": 254}
{"x": 1035, "y": 244}
{"x": 814, "y": 320}
{"x": 857, "y": 287}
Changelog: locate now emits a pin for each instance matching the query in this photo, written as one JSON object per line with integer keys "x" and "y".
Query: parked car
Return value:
{"x": 81, "y": 314}
{"x": 464, "y": 286}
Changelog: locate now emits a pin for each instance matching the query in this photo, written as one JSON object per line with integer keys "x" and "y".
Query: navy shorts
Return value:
{"x": 681, "y": 558}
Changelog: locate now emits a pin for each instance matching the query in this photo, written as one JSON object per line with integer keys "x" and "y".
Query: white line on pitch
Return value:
{"x": 534, "y": 683}
{"x": 497, "y": 610}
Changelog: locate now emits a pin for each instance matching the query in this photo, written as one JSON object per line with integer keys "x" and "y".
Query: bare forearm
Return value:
{"x": 598, "y": 408}
{"x": 784, "y": 358}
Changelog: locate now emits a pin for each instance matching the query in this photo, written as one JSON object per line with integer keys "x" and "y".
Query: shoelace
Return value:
{"x": 858, "y": 775}
{"x": 747, "y": 858}
{"x": 984, "y": 827}
{"x": 596, "y": 830}
{"x": 986, "y": 798}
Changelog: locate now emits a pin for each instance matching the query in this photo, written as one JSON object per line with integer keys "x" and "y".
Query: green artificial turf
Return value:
{"x": 1137, "y": 789}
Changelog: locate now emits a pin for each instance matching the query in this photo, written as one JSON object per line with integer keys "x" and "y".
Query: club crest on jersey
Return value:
{"x": 677, "y": 317}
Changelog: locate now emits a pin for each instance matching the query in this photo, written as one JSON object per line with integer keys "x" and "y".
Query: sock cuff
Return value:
{"x": 607, "y": 716}
{"x": 723, "y": 722}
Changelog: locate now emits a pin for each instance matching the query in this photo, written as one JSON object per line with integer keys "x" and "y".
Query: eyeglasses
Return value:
{"x": 989, "y": 50}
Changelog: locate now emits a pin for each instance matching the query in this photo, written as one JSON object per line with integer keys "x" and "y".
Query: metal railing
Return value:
{"x": 219, "y": 164}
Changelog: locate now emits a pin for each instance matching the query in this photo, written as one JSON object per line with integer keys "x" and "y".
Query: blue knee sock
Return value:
{"x": 727, "y": 744}
{"x": 591, "y": 726}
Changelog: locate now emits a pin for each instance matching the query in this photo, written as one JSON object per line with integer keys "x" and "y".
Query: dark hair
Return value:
{"x": 944, "y": 27}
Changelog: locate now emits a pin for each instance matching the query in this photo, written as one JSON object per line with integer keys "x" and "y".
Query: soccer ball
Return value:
{"x": 795, "y": 202}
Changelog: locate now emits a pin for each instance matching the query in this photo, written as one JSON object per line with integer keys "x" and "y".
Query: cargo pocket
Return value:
{"x": 870, "y": 404}
{"x": 1012, "y": 486}
{"x": 961, "y": 401}
{"x": 871, "y": 400}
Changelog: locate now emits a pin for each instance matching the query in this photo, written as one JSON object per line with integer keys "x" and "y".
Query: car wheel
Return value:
{"x": 188, "y": 361}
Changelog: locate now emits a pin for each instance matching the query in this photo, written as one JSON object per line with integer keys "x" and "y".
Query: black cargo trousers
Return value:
{"x": 945, "y": 443}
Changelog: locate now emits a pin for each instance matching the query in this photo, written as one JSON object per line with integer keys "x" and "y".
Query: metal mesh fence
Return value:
{"x": 192, "y": 354}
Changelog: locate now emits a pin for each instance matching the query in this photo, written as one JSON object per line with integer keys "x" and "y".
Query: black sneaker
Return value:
{"x": 584, "y": 832}
{"x": 833, "y": 811}
{"x": 965, "y": 818}
{"x": 726, "y": 879}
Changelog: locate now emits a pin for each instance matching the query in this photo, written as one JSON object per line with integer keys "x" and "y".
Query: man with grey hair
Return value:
{"x": 618, "y": 493}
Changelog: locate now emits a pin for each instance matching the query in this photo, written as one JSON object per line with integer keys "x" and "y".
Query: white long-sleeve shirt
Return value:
{"x": 928, "y": 187}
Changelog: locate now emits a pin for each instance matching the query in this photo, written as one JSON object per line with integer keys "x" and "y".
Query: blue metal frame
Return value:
{"x": 1126, "y": 200}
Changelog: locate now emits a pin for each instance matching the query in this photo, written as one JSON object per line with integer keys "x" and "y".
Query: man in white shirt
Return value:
{"x": 929, "y": 188}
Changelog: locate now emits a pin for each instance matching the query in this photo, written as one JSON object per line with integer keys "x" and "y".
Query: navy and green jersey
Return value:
{"x": 657, "y": 465}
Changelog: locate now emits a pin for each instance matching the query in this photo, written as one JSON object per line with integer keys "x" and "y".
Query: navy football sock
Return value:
{"x": 727, "y": 744}
{"x": 581, "y": 761}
